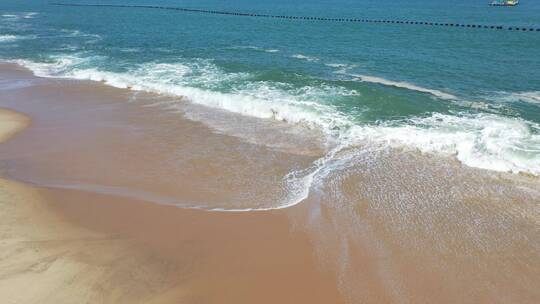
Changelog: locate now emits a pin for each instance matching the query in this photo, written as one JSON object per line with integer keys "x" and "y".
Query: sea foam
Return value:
{"x": 486, "y": 141}
{"x": 304, "y": 57}
{"x": 403, "y": 85}
{"x": 8, "y": 38}
{"x": 27, "y": 15}
{"x": 532, "y": 97}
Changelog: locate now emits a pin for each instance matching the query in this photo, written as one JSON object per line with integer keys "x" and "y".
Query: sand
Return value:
{"x": 11, "y": 123}
{"x": 134, "y": 252}
{"x": 61, "y": 246}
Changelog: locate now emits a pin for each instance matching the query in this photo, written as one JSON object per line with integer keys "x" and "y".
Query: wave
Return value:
{"x": 27, "y": 15}
{"x": 343, "y": 69}
{"x": 336, "y": 65}
{"x": 12, "y": 38}
{"x": 532, "y": 97}
{"x": 304, "y": 57}
{"x": 153, "y": 198}
{"x": 8, "y": 38}
{"x": 486, "y": 141}
{"x": 256, "y": 48}
{"x": 77, "y": 33}
{"x": 258, "y": 99}
{"x": 403, "y": 85}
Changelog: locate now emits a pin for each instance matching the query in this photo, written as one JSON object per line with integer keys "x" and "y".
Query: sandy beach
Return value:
{"x": 133, "y": 252}
{"x": 62, "y": 246}
{"x": 113, "y": 196}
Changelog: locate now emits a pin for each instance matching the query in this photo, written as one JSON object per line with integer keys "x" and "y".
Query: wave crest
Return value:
{"x": 486, "y": 141}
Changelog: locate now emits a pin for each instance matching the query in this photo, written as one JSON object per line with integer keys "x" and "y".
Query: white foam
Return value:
{"x": 404, "y": 85}
{"x": 341, "y": 68}
{"x": 8, "y": 38}
{"x": 257, "y": 48}
{"x": 532, "y": 97}
{"x": 77, "y": 33}
{"x": 258, "y": 99}
{"x": 130, "y": 50}
{"x": 153, "y": 198}
{"x": 336, "y": 65}
{"x": 304, "y": 57}
{"x": 11, "y": 38}
{"x": 27, "y": 15}
{"x": 486, "y": 141}
{"x": 58, "y": 66}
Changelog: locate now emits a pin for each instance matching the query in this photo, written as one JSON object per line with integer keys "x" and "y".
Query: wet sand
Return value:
{"x": 11, "y": 123}
{"x": 79, "y": 247}
{"x": 97, "y": 170}
{"x": 74, "y": 246}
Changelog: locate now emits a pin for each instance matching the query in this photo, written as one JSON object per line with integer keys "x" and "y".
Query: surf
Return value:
{"x": 486, "y": 141}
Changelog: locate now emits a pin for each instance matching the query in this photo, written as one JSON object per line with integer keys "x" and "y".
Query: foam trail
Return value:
{"x": 336, "y": 65}
{"x": 304, "y": 57}
{"x": 256, "y": 100}
{"x": 28, "y": 15}
{"x": 153, "y": 198}
{"x": 532, "y": 97}
{"x": 485, "y": 141}
{"x": 8, "y": 38}
{"x": 404, "y": 85}
{"x": 256, "y": 48}
{"x": 300, "y": 182}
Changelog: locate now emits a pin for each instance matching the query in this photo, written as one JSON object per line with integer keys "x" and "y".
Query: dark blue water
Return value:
{"x": 473, "y": 93}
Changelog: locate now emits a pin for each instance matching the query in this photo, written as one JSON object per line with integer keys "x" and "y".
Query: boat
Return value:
{"x": 505, "y": 3}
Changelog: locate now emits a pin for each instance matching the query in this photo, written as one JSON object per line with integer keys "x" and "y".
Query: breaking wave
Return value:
{"x": 403, "y": 85}
{"x": 532, "y": 97}
{"x": 18, "y": 16}
{"x": 304, "y": 57}
{"x": 486, "y": 141}
{"x": 8, "y": 38}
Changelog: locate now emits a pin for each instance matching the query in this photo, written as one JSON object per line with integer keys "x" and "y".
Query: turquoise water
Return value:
{"x": 472, "y": 93}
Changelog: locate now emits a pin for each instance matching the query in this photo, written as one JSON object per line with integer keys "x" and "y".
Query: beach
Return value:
{"x": 93, "y": 210}
{"x": 284, "y": 151}
{"x": 79, "y": 246}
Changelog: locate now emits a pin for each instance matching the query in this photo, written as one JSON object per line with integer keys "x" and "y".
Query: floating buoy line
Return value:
{"x": 311, "y": 18}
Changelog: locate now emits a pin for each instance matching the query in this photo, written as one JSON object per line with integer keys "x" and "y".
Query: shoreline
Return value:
{"x": 397, "y": 226}
{"x": 76, "y": 244}
{"x": 73, "y": 242}
{"x": 467, "y": 146}
{"x": 91, "y": 247}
